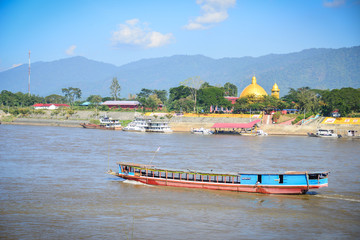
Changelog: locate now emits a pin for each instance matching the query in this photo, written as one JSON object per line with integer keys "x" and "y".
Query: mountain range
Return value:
{"x": 314, "y": 68}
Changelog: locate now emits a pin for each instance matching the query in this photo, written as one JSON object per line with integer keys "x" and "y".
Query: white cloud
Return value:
{"x": 213, "y": 11}
{"x": 133, "y": 32}
{"x": 70, "y": 50}
{"x": 333, "y": 3}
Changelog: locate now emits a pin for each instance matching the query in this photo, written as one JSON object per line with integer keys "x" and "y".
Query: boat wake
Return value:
{"x": 135, "y": 182}
{"x": 338, "y": 197}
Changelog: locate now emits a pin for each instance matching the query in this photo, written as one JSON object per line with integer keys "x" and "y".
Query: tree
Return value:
{"x": 205, "y": 85}
{"x": 8, "y": 98}
{"x": 182, "y": 104}
{"x": 230, "y": 89}
{"x": 212, "y": 96}
{"x": 271, "y": 102}
{"x": 151, "y": 98}
{"x": 71, "y": 94}
{"x": 177, "y": 93}
{"x": 153, "y": 102}
{"x": 104, "y": 99}
{"x": 241, "y": 105}
{"x": 162, "y": 95}
{"x": 95, "y": 99}
{"x": 345, "y": 100}
{"x": 305, "y": 99}
{"x": 291, "y": 96}
{"x": 54, "y": 98}
{"x": 144, "y": 93}
{"x": 194, "y": 84}
{"x": 115, "y": 88}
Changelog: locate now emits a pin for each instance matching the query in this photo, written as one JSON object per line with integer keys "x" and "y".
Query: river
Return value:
{"x": 54, "y": 186}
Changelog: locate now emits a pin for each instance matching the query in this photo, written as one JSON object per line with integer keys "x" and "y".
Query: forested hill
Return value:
{"x": 315, "y": 68}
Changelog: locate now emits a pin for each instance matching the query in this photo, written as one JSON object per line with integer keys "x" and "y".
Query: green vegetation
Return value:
{"x": 19, "y": 99}
{"x": 345, "y": 100}
{"x": 151, "y": 99}
{"x": 95, "y": 121}
{"x": 115, "y": 88}
{"x": 195, "y": 95}
{"x": 230, "y": 90}
{"x": 194, "y": 84}
{"x": 300, "y": 117}
{"x": 71, "y": 94}
{"x": 9, "y": 118}
{"x": 125, "y": 123}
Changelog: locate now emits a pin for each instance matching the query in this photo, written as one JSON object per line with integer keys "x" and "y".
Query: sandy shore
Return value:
{"x": 185, "y": 124}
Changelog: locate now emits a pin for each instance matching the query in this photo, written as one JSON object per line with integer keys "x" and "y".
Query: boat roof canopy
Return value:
{"x": 152, "y": 167}
{"x": 236, "y": 125}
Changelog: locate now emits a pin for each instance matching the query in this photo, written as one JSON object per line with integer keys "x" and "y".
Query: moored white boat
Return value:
{"x": 261, "y": 133}
{"x": 148, "y": 125}
{"x": 110, "y": 123}
{"x": 202, "y": 131}
{"x": 138, "y": 125}
{"x": 325, "y": 133}
{"x": 158, "y": 126}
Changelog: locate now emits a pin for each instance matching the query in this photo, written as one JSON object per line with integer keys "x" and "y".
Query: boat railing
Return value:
{"x": 184, "y": 176}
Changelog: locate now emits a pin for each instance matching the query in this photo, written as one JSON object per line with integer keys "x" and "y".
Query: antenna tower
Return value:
{"x": 29, "y": 73}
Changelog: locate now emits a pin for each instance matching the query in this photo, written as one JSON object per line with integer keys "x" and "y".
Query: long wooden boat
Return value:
{"x": 289, "y": 182}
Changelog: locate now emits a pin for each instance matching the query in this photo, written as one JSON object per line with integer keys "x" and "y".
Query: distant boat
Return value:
{"x": 106, "y": 123}
{"x": 158, "y": 126}
{"x": 261, "y": 133}
{"x": 271, "y": 183}
{"x": 325, "y": 133}
{"x": 138, "y": 125}
{"x": 148, "y": 125}
{"x": 352, "y": 134}
{"x": 201, "y": 131}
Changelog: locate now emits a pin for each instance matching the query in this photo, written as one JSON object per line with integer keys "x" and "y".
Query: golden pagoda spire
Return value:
{"x": 275, "y": 91}
{"x": 253, "y": 89}
{"x": 253, "y": 81}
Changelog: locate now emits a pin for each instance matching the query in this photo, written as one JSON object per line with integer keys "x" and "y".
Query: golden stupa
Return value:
{"x": 275, "y": 91}
{"x": 253, "y": 89}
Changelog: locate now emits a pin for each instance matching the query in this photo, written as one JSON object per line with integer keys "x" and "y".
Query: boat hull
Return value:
{"x": 266, "y": 189}
{"x": 96, "y": 126}
{"x": 289, "y": 182}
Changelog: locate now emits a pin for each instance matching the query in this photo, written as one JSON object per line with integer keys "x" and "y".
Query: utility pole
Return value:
{"x": 29, "y": 74}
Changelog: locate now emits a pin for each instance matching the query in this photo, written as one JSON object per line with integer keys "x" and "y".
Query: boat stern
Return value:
{"x": 318, "y": 180}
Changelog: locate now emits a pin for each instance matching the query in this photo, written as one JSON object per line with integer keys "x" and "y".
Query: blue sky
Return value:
{"x": 119, "y": 31}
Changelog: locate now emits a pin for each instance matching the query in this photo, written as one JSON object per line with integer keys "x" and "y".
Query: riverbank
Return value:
{"x": 177, "y": 123}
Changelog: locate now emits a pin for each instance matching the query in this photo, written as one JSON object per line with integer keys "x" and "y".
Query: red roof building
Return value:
{"x": 232, "y": 99}
{"x": 236, "y": 125}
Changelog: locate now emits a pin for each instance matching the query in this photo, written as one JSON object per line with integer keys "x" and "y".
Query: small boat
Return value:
{"x": 202, "y": 131}
{"x": 325, "y": 133}
{"x": 269, "y": 183}
{"x": 261, "y": 133}
{"x": 352, "y": 134}
{"x": 106, "y": 123}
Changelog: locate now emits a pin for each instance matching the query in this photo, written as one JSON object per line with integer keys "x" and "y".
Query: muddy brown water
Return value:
{"x": 53, "y": 186}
